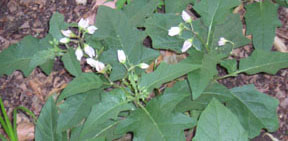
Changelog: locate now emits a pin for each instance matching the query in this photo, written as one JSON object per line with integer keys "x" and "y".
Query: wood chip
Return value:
{"x": 280, "y": 45}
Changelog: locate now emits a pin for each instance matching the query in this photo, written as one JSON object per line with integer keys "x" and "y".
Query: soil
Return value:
{"x": 19, "y": 18}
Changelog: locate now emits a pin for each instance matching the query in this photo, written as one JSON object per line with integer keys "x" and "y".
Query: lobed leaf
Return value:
{"x": 56, "y": 24}
{"x": 218, "y": 123}
{"x": 83, "y": 83}
{"x": 138, "y": 10}
{"x": 47, "y": 123}
{"x": 116, "y": 34}
{"x": 76, "y": 108}
{"x": 254, "y": 109}
{"x": 157, "y": 28}
{"x": 214, "y": 90}
{"x": 177, "y": 6}
{"x": 200, "y": 78}
{"x": 165, "y": 73}
{"x": 215, "y": 11}
{"x": 104, "y": 115}
{"x": 265, "y": 13}
{"x": 263, "y": 61}
{"x": 20, "y": 55}
{"x": 157, "y": 121}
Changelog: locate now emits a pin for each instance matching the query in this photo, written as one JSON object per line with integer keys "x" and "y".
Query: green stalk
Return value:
{"x": 30, "y": 113}
{"x": 3, "y": 124}
{"x": 8, "y": 123}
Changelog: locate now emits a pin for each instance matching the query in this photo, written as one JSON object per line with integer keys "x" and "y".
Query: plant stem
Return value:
{"x": 229, "y": 75}
{"x": 3, "y": 124}
{"x": 8, "y": 123}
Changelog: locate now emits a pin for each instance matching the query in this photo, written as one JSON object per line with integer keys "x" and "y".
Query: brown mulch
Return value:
{"x": 19, "y": 18}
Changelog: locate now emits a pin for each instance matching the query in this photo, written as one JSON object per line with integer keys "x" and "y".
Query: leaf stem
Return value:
{"x": 229, "y": 75}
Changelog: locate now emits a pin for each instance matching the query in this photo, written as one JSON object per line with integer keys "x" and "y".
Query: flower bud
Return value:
{"x": 64, "y": 40}
{"x": 79, "y": 53}
{"x": 143, "y": 65}
{"x": 187, "y": 44}
{"x": 91, "y": 29}
{"x": 89, "y": 50}
{"x": 121, "y": 56}
{"x": 68, "y": 33}
{"x": 83, "y": 23}
{"x": 174, "y": 31}
{"x": 222, "y": 41}
{"x": 186, "y": 17}
{"x": 99, "y": 66}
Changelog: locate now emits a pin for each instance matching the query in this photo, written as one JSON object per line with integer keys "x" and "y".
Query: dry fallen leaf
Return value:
{"x": 25, "y": 131}
{"x": 92, "y": 13}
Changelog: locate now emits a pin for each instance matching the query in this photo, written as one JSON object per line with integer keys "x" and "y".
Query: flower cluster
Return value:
{"x": 83, "y": 48}
{"x": 83, "y": 25}
{"x": 122, "y": 59}
{"x": 177, "y": 30}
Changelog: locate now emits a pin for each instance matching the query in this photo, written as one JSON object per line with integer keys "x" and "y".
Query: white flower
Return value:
{"x": 91, "y": 29}
{"x": 187, "y": 44}
{"x": 186, "y": 17}
{"x": 79, "y": 53}
{"x": 222, "y": 41}
{"x": 100, "y": 67}
{"x": 121, "y": 56}
{"x": 68, "y": 33}
{"x": 174, "y": 31}
{"x": 143, "y": 66}
{"x": 89, "y": 50}
{"x": 83, "y": 23}
{"x": 64, "y": 40}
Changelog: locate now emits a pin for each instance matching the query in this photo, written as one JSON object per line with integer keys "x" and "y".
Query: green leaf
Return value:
{"x": 116, "y": 34}
{"x": 254, "y": 109}
{"x": 282, "y": 2}
{"x": 42, "y": 57}
{"x": 218, "y": 123}
{"x": 81, "y": 84}
{"x": 47, "y": 123}
{"x": 215, "y": 11}
{"x": 157, "y": 28}
{"x": 230, "y": 65}
{"x": 138, "y": 10}
{"x": 176, "y": 6}
{"x": 98, "y": 121}
{"x": 231, "y": 30}
{"x": 18, "y": 56}
{"x": 120, "y": 4}
{"x": 47, "y": 67}
{"x": 57, "y": 24}
{"x": 158, "y": 121}
{"x": 263, "y": 61}
{"x": 265, "y": 13}
{"x": 200, "y": 79}
{"x": 71, "y": 63}
{"x": 75, "y": 108}
{"x": 165, "y": 73}
{"x": 214, "y": 90}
